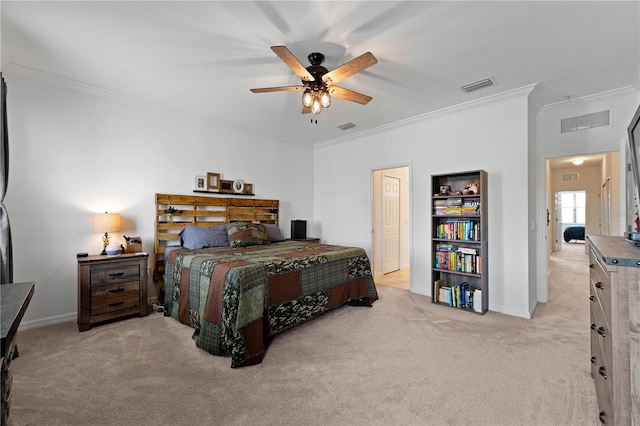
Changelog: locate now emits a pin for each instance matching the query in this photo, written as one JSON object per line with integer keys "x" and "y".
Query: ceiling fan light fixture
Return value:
{"x": 325, "y": 99}
{"x": 307, "y": 98}
{"x": 316, "y": 107}
{"x": 577, "y": 161}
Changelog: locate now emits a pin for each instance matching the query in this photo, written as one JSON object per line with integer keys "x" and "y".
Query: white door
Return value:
{"x": 391, "y": 224}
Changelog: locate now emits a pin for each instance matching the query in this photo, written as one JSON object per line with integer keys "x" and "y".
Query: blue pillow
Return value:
{"x": 195, "y": 237}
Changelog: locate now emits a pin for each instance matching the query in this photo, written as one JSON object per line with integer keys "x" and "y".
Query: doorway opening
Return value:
{"x": 391, "y": 223}
{"x": 571, "y": 216}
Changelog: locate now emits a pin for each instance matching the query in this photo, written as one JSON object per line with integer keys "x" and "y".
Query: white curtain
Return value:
{"x": 6, "y": 255}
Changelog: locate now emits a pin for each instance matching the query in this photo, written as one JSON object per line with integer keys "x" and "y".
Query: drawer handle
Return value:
{"x": 593, "y": 360}
{"x": 116, "y": 274}
{"x": 593, "y": 327}
{"x": 591, "y": 297}
{"x": 117, "y": 290}
{"x": 603, "y": 372}
{"x": 601, "y": 331}
{"x": 599, "y": 285}
{"x": 116, "y": 303}
{"x": 603, "y": 418}
{"x": 591, "y": 265}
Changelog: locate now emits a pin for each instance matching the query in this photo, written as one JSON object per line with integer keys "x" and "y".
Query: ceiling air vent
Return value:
{"x": 477, "y": 85}
{"x": 583, "y": 122}
{"x": 347, "y": 126}
{"x": 572, "y": 176}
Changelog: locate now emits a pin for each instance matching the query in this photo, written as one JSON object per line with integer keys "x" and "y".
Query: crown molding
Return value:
{"x": 491, "y": 99}
{"x": 590, "y": 98}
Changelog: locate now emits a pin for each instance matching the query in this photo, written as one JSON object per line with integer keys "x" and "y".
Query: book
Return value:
{"x": 477, "y": 299}
{"x": 436, "y": 289}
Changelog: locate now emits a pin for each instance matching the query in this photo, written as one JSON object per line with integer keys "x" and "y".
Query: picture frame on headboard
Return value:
{"x": 633, "y": 187}
{"x": 201, "y": 183}
{"x": 213, "y": 181}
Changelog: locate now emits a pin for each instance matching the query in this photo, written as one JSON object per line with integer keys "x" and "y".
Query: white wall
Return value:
{"x": 550, "y": 143}
{"x": 481, "y": 135}
{"x": 73, "y": 153}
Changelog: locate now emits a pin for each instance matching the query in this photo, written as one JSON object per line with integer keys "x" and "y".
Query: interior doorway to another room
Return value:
{"x": 570, "y": 212}
{"x": 391, "y": 200}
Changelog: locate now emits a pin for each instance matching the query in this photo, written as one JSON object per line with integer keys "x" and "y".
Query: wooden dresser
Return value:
{"x": 111, "y": 288}
{"x": 615, "y": 328}
{"x": 14, "y": 299}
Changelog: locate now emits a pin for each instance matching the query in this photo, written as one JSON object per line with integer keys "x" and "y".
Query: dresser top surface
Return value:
{"x": 14, "y": 300}
{"x": 617, "y": 251}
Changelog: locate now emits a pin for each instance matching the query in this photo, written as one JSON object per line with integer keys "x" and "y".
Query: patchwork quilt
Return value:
{"x": 237, "y": 298}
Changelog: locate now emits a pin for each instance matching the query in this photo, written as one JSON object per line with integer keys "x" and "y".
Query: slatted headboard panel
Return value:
{"x": 202, "y": 211}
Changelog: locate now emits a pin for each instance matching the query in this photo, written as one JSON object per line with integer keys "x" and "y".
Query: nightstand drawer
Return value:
{"x": 110, "y": 275}
{"x": 116, "y": 297}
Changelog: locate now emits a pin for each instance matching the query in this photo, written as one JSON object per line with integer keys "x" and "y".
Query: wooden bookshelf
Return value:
{"x": 459, "y": 241}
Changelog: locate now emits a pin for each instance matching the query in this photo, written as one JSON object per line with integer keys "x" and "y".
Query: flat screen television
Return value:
{"x": 634, "y": 186}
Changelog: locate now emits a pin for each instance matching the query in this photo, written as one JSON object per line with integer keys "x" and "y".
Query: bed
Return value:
{"x": 238, "y": 295}
{"x": 574, "y": 233}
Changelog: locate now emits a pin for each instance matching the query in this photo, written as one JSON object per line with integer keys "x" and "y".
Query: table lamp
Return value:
{"x": 106, "y": 222}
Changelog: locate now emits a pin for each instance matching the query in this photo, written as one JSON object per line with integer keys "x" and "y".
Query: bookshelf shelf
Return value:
{"x": 459, "y": 241}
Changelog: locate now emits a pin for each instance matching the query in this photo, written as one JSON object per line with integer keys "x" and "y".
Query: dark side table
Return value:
{"x": 14, "y": 299}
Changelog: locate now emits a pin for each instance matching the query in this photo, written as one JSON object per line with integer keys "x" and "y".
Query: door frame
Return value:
{"x": 407, "y": 243}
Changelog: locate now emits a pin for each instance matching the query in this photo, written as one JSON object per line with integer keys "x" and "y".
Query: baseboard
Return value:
{"x": 43, "y": 322}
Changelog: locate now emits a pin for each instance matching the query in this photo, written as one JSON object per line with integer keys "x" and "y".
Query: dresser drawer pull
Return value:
{"x": 116, "y": 290}
{"x": 593, "y": 327}
{"x": 603, "y": 372}
{"x": 591, "y": 265}
{"x": 603, "y": 418}
{"x": 116, "y": 304}
{"x": 116, "y": 274}
{"x": 591, "y": 297}
{"x": 599, "y": 285}
{"x": 601, "y": 331}
{"x": 593, "y": 360}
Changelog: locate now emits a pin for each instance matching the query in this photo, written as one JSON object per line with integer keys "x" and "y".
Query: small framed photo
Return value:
{"x": 238, "y": 186}
{"x": 213, "y": 181}
{"x": 201, "y": 183}
{"x": 248, "y": 188}
{"x": 226, "y": 185}
{"x": 445, "y": 189}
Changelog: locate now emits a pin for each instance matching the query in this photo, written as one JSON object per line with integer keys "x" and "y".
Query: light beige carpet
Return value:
{"x": 404, "y": 361}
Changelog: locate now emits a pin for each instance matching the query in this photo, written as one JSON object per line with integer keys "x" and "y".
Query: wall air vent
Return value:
{"x": 572, "y": 176}
{"x": 583, "y": 122}
{"x": 347, "y": 126}
{"x": 477, "y": 85}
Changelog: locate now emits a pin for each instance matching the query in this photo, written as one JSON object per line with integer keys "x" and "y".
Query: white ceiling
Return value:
{"x": 203, "y": 57}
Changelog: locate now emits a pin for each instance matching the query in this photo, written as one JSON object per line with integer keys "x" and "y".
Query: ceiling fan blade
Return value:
{"x": 277, "y": 89}
{"x": 293, "y": 63}
{"x": 352, "y": 67}
{"x": 306, "y": 110}
{"x": 349, "y": 95}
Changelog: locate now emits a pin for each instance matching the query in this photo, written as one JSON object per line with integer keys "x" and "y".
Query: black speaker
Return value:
{"x": 298, "y": 229}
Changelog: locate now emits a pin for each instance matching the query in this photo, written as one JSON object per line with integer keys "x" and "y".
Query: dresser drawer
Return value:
{"x": 108, "y": 275}
{"x": 115, "y": 297}
{"x": 601, "y": 285}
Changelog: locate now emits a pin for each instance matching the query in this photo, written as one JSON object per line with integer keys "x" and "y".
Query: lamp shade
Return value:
{"x": 106, "y": 222}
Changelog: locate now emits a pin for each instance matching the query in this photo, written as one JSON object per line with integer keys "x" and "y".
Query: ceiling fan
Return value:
{"x": 318, "y": 82}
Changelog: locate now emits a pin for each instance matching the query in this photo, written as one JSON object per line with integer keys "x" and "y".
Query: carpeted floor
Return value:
{"x": 404, "y": 361}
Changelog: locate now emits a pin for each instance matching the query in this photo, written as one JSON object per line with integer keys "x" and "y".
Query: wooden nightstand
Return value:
{"x": 111, "y": 288}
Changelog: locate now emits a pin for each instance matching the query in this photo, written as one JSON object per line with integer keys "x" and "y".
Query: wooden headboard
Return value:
{"x": 202, "y": 210}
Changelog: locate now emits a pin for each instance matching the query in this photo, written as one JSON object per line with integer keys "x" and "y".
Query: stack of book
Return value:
{"x": 447, "y": 207}
{"x": 459, "y": 259}
{"x": 459, "y": 230}
{"x": 471, "y": 206}
{"x": 461, "y": 296}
